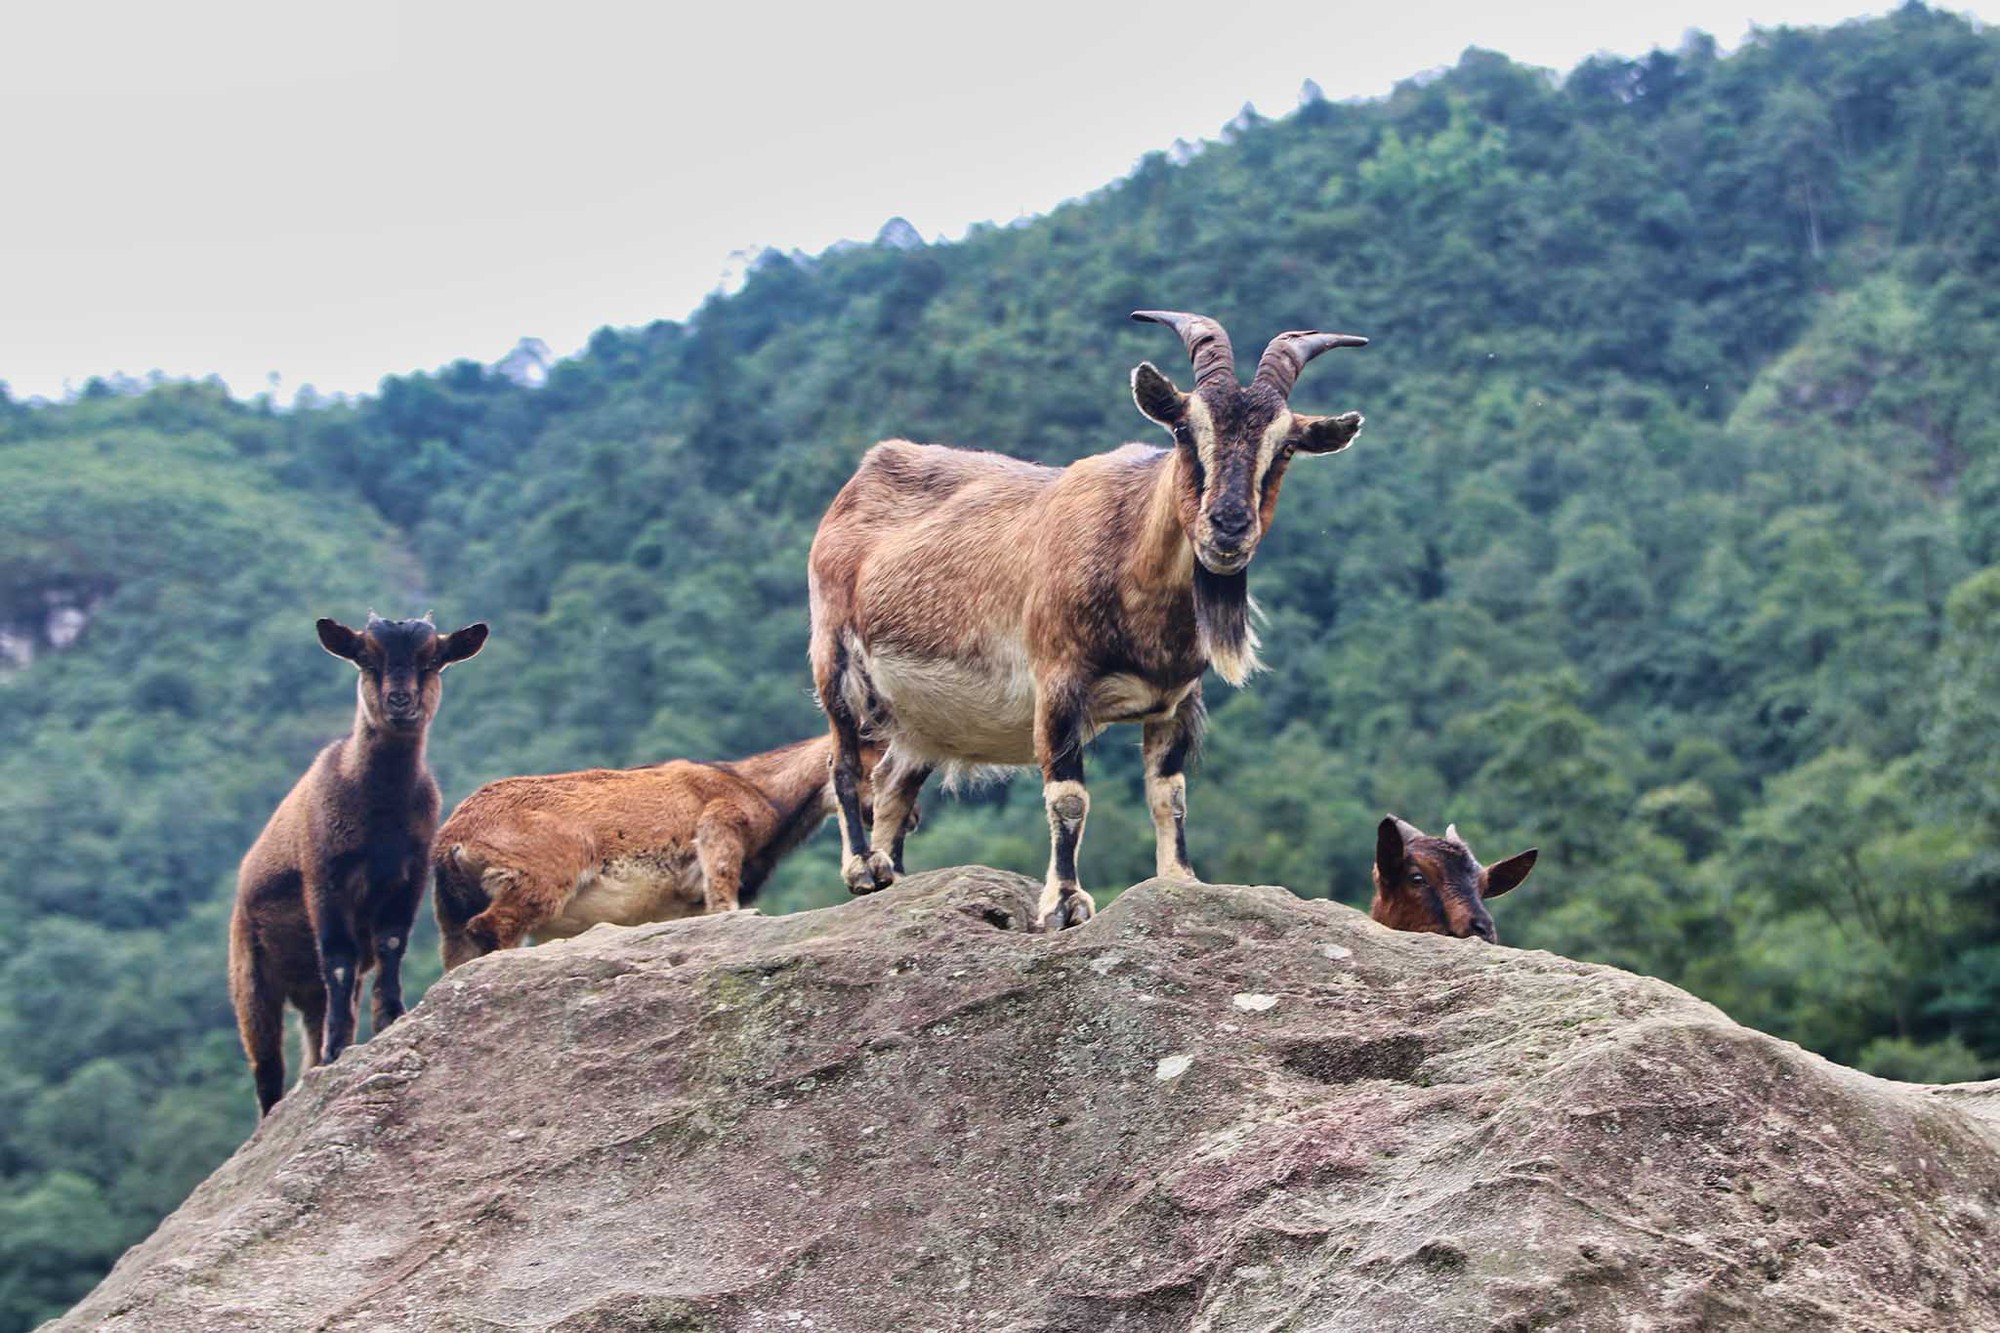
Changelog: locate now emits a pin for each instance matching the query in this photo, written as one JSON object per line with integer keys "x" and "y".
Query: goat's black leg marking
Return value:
{"x": 1059, "y": 735}
{"x": 896, "y": 786}
{"x": 393, "y": 920}
{"x": 864, "y": 868}
{"x": 387, "y": 1000}
{"x": 1170, "y": 745}
{"x": 339, "y": 955}
{"x": 910, "y": 823}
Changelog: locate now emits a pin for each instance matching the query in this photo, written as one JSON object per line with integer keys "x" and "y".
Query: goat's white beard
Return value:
{"x": 1223, "y": 611}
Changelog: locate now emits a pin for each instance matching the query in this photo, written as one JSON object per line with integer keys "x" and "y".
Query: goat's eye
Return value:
{"x": 1417, "y": 879}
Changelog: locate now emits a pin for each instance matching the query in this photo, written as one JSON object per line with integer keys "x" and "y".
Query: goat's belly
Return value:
{"x": 980, "y": 713}
{"x": 631, "y": 891}
{"x": 945, "y": 710}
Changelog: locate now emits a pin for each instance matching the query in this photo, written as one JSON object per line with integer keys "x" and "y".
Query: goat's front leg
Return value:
{"x": 339, "y": 960}
{"x": 395, "y": 914}
{"x": 1169, "y": 744}
{"x": 1059, "y": 734}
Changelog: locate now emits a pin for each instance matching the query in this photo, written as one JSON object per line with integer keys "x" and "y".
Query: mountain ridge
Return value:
{"x": 1671, "y": 548}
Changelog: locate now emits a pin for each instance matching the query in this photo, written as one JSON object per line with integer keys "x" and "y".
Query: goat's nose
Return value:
{"x": 1230, "y": 527}
{"x": 399, "y": 698}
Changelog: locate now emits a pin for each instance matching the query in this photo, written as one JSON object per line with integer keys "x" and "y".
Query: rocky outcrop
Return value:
{"x": 1209, "y": 1108}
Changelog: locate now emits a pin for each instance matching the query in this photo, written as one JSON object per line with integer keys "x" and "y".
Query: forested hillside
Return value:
{"x": 1672, "y": 546}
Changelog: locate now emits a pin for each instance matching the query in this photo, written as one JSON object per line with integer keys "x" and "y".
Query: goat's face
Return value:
{"x": 1235, "y": 442}
{"x": 1436, "y": 884}
{"x": 400, "y": 662}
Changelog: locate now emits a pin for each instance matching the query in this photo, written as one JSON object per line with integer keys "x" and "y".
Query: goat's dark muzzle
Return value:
{"x": 1230, "y": 541}
{"x": 403, "y": 709}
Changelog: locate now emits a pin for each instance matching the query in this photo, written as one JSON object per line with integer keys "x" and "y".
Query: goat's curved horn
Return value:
{"x": 1207, "y": 344}
{"x": 1288, "y": 353}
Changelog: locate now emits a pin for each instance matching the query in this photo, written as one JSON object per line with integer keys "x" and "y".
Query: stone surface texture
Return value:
{"x": 1210, "y": 1108}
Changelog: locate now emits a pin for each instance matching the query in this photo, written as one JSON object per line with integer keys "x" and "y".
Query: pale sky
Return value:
{"x": 337, "y": 192}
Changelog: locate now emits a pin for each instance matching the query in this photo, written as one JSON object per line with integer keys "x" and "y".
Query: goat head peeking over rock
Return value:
{"x": 330, "y": 887}
{"x": 1436, "y": 884}
{"x": 969, "y": 609}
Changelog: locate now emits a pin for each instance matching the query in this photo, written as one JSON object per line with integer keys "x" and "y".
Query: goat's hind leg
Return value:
{"x": 310, "y": 1001}
{"x": 520, "y": 903}
{"x": 456, "y": 898}
{"x": 258, "y": 995}
{"x": 865, "y": 868}
{"x": 897, "y": 782}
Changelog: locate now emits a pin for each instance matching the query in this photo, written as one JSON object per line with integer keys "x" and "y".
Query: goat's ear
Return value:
{"x": 1325, "y": 435}
{"x": 1508, "y": 874}
{"x": 461, "y": 644}
{"x": 1389, "y": 849}
{"x": 1156, "y": 395}
{"x": 339, "y": 640}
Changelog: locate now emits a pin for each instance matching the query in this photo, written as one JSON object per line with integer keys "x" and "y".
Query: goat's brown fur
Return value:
{"x": 328, "y": 891}
{"x": 970, "y": 609}
{"x": 1437, "y": 885}
{"x": 552, "y": 856}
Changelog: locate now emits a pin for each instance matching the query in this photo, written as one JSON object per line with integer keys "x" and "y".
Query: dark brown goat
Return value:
{"x": 330, "y": 887}
{"x": 1437, "y": 885}
{"x": 553, "y": 856}
{"x": 969, "y": 609}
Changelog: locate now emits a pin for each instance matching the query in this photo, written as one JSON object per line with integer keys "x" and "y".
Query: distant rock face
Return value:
{"x": 1209, "y": 1108}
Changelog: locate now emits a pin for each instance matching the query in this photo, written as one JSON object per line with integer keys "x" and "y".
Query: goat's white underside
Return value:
{"x": 631, "y": 891}
{"x": 980, "y": 712}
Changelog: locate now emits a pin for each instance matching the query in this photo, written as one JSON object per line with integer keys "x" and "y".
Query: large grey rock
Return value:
{"x": 1209, "y": 1108}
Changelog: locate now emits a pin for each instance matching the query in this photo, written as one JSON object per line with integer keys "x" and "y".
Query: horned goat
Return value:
{"x": 1437, "y": 885}
{"x": 969, "y": 609}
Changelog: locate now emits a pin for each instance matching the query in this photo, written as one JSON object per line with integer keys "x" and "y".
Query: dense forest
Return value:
{"x": 1672, "y": 547}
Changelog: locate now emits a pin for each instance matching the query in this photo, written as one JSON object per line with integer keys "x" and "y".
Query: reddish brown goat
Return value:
{"x": 330, "y": 887}
{"x": 552, "y": 856}
{"x": 1437, "y": 885}
{"x": 969, "y": 609}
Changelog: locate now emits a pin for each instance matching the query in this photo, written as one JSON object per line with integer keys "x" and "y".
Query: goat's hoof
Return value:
{"x": 870, "y": 873}
{"x": 1073, "y": 908}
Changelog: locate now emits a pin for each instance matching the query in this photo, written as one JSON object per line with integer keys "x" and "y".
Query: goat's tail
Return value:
{"x": 258, "y": 993}
{"x": 459, "y": 897}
